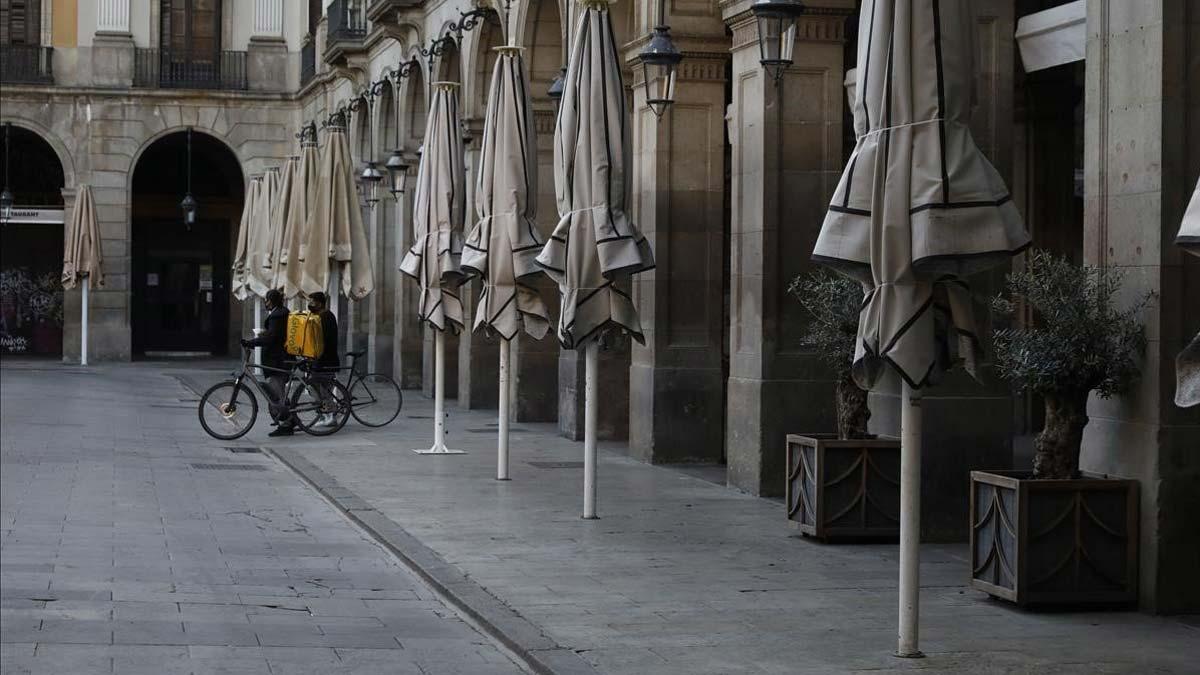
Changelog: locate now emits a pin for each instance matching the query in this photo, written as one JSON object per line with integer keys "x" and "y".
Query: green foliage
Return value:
{"x": 1078, "y": 340}
{"x": 834, "y": 302}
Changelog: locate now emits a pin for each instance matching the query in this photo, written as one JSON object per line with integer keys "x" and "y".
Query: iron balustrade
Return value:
{"x": 308, "y": 61}
{"x": 347, "y": 20}
{"x": 26, "y": 64}
{"x": 182, "y": 69}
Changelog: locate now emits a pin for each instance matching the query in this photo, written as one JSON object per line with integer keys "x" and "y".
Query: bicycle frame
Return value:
{"x": 247, "y": 373}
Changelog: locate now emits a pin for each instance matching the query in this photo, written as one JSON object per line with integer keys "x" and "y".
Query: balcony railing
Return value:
{"x": 176, "y": 69}
{"x": 347, "y": 20}
{"x": 308, "y": 61}
{"x": 26, "y": 64}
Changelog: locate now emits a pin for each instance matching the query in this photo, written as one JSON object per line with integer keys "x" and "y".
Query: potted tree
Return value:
{"x": 1054, "y": 535}
{"x": 843, "y": 485}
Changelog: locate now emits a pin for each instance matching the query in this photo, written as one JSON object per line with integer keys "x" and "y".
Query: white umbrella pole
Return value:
{"x": 502, "y": 449}
{"x": 439, "y": 398}
{"x": 83, "y": 346}
{"x": 258, "y": 303}
{"x": 910, "y": 523}
{"x": 591, "y": 364}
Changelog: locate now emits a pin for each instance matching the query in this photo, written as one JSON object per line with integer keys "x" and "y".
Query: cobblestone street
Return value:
{"x": 125, "y": 551}
{"x": 132, "y": 544}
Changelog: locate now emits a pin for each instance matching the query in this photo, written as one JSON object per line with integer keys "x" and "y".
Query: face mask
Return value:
{"x": 313, "y": 308}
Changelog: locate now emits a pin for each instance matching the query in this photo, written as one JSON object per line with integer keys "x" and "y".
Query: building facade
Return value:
{"x": 1101, "y": 151}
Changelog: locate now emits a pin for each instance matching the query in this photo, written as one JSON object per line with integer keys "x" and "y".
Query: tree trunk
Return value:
{"x": 1057, "y": 446}
{"x": 852, "y": 410}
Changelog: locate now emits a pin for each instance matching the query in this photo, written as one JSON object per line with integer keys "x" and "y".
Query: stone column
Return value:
{"x": 1141, "y": 163}
{"x": 677, "y": 382}
{"x": 112, "y": 46}
{"x": 786, "y": 159}
{"x": 267, "y": 54}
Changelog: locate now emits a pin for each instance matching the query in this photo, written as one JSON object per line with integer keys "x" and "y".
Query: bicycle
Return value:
{"x": 234, "y": 408}
{"x": 375, "y": 398}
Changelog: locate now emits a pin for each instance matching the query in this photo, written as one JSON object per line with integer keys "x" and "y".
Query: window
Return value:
{"x": 191, "y": 27}
{"x": 21, "y": 22}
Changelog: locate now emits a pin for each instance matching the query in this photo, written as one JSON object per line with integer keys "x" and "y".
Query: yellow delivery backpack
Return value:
{"x": 304, "y": 335}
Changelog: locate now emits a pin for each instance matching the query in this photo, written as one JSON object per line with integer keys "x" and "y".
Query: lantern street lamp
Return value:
{"x": 189, "y": 205}
{"x": 660, "y": 59}
{"x": 397, "y": 169}
{"x": 371, "y": 177}
{"x": 555, "y": 92}
{"x": 776, "y": 33}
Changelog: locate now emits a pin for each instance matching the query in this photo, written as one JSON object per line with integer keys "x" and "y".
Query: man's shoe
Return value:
{"x": 282, "y": 431}
{"x": 327, "y": 420}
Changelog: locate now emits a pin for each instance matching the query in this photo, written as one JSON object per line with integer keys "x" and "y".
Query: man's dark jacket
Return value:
{"x": 329, "y": 333}
{"x": 274, "y": 340}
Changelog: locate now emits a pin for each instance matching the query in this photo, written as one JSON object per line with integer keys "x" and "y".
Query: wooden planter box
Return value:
{"x": 1054, "y": 542}
{"x": 844, "y": 489}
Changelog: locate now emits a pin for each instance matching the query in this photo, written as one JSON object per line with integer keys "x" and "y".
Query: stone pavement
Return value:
{"x": 683, "y": 576}
{"x": 132, "y": 543}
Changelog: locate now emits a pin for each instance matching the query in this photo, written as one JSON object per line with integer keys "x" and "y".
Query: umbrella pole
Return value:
{"x": 257, "y": 324}
{"x": 910, "y": 523}
{"x": 591, "y": 363}
{"x": 439, "y": 398}
{"x": 83, "y": 343}
{"x": 502, "y": 449}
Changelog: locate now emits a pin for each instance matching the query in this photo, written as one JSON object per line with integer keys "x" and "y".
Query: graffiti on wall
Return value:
{"x": 31, "y": 312}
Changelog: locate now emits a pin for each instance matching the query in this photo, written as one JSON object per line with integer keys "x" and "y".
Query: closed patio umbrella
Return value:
{"x": 917, "y": 210}
{"x": 300, "y": 207}
{"x": 259, "y": 275}
{"x": 433, "y": 260}
{"x": 337, "y": 242}
{"x": 595, "y": 243}
{"x": 241, "y": 253}
{"x": 82, "y": 257}
{"x": 279, "y": 217}
{"x": 502, "y": 247}
{"x": 1187, "y": 363}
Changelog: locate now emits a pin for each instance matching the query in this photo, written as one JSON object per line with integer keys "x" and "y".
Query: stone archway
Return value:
{"x": 31, "y": 250}
{"x": 180, "y": 275}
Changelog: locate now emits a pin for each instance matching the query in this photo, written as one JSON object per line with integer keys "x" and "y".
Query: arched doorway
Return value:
{"x": 181, "y": 274}
{"x": 31, "y": 248}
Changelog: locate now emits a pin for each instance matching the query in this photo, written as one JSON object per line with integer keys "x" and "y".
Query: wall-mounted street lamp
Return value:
{"x": 555, "y": 92}
{"x": 397, "y": 168}
{"x": 189, "y": 205}
{"x": 660, "y": 59}
{"x": 776, "y": 33}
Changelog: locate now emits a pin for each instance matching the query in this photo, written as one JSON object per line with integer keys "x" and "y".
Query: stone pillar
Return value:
{"x": 267, "y": 54}
{"x": 1142, "y": 160}
{"x": 677, "y": 384}
{"x": 112, "y": 46}
{"x": 786, "y": 160}
{"x": 478, "y": 354}
{"x": 613, "y": 422}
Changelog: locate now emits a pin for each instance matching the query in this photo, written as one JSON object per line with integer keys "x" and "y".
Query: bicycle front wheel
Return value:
{"x": 228, "y": 410}
{"x": 375, "y": 399}
{"x": 321, "y": 407}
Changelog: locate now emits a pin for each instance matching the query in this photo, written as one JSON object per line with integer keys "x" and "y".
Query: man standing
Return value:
{"x": 273, "y": 342}
{"x": 328, "y": 363}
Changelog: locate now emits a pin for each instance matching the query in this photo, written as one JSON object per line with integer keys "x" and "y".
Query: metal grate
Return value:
{"x": 249, "y": 450}
{"x": 420, "y": 417}
{"x": 230, "y": 467}
{"x": 557, "y": 465}
{"x": 492, "y": 430}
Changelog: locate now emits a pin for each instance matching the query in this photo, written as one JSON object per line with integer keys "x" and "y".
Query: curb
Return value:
{"x": 537, "y": 651}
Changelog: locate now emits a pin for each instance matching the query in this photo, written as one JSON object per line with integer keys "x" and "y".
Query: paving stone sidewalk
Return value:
{"x": 684, "y": 576}
{"x": 132, "y": 543}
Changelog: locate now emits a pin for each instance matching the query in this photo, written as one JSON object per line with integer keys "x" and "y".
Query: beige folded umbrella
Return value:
{"x": 279, "y": 216}
{"x": 241, "y": 254}
{"x": 505, "y": 242}
{"x": 595, "y": 243}
{"x": 918, "y": 209}
{"x": 82, "y": 257}
{"x": 335, "y": 228}
{"x": 300, "y": 207}
{"x": 502, "y": 247}
{"x": 1187, "y": 363}
{"x": 433, "y": 261}
{"x": 438, "y": 211}
{"x": 259, "y": 275}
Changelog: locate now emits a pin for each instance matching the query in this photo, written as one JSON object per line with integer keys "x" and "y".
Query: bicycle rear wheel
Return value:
{"x": 375, "y": 399}
{"x": 227, "y": 410}
{"x": 318, "y": 415}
